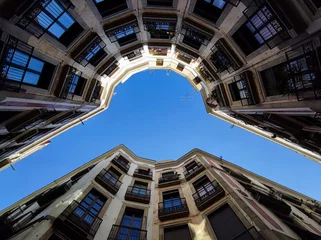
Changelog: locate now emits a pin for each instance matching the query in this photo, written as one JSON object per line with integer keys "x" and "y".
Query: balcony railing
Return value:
{"x": 137, "y": 194}
{"x": 77, "y": 222}
{"x": 143, "y": 174}
{"x": 194, "y": 171}
{"x": 245, "y": 89}
{"x": 123, "y": 232}
{"x": 159, "y": 25}
{"x": 110, "y": 183}
{"x": 210, "y": 194}
{"x": 169, "y": 181}
{"x": 171, "y": 209}
{"x": 121, "y": 163}
{"x": 250, "y": 233}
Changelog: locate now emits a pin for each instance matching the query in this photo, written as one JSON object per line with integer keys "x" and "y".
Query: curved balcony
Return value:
{"x": 171, "y": 209}
{"x": 110, "y": 183}
{"x": 210, "y": 194}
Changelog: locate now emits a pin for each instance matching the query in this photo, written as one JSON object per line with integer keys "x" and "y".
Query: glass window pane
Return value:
{"x": 54, "y": 9}
{"x": 15, "y": 74}
{"x": 20, "y": 58}
{"x": 66, "y": 20}
{"x": 31, "y": 78}
{"x": 219, "y": 3}
{"x": 36, "y": 64}
{"x": 44, "y": 20}
{"x": 56, "y": 30}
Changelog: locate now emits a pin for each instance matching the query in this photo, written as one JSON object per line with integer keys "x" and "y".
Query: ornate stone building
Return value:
{"x": 119, "y": 195}
{"x": 255, "y": 62}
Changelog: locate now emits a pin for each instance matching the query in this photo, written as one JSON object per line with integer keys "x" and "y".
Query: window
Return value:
{"x": 124, "y": 32}
{"x": 131, "y": 224}
{"x": 210, "y": 9}
{"x": 112, "y": 175}
{"x": 217, "y": 3}
{"x": 18, "y": 65}
{"x": 172, "y": 200}
{"x": 227, "y": 225}
{"x": 238, "y": 90}
{"x": 262, "y": 27}
{"x": 167, "y": 175}
{"x": 107, "y": 7}
{"x": 90, "y": 207}
{"x": 191, "y": 166}
{"x": 204, "y": 187}
{"x": 51, "y": 16}
{"x": 75, "y": 84}
{"x": 139, "y": 188}
{"x": 180, "y": 232}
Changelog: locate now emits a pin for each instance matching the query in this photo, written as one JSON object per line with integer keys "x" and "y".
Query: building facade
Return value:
{"x": 119, "y": 195}
{"x": 255, "y": 62}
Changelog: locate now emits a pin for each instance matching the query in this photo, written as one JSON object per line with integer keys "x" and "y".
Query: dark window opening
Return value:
{"x": 241, "y": 91}
{"x": 167, "y": 175}
{"x": 51, "y": 17}
{"x": 227, "y": 225}
{"x": 75, "y": 84}
{"x": 107, "y": 7}
{"x": 203, "y": 186}
{"x": 172, "y": 200}
{"x": 261, "y": 28}
{"x": 139, "y": 188}
{"x": 131, "y": 224}
{"x": 180, "y": 232}
{"x": 165, "y": 3}
{"x": 112, "y": 176}
{"x": 19, "y": 67}
{"x": 210, "y": 9}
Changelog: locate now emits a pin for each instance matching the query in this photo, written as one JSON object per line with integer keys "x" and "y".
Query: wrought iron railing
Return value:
{"x": 71, "y": 81}
{"x": 139, "y": 193}
{"x": 171, "y": 178}
{"x": 123, "y": 232}
{"x": 96, "y": 93}
{"x": 193, "y": 170}
{"x": 142, "y": 172}
{"x": 82, "y": 218}
{"x": 170, "y": 206}
{"x": 122, "y": 163}
{"x": 244, "y": 89}
{"x": 109, "y": 179}
{"x": 209, "y": 191}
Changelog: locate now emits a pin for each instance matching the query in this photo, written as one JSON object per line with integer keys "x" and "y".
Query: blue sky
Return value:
{"x": 150, "y": 116}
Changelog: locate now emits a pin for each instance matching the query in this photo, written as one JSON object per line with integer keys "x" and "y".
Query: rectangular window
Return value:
{"x": 90, "y": 207}
{"x": 204, "y": 187}
{"x": 75, "y": 84}
{"x": 238, "y": 90}
{"x": 167, "y": 175}
{"x": 107, "y": 7}
{"x": 227, "y": 225}
{"x": 131, "y": 224}
{"x": 112, "y": 175}
{"x": 210, "y": 9}
{"x": 52, "y": 17}
{"x": 172, "y": 200}
{"x": 139, "y": 188}
{"x": 18, "y": 65}
{"x": 262, "y": 27}
{"x": 166, "y": 3}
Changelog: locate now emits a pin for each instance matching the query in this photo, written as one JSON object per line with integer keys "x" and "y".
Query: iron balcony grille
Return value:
{"x": 195, "y": 34}
{"x": 13, "y": 80}
{"x": 273, "y": 31}
{"x": 167, "y": 181}
{"x": 209, "y": 194}
{"x": 93, "y": 54}
{"x": 143, "y": 174}
{"x": 30, "y": 20}
{"x": 244, "y": 90}
{"x": 121, "y": 163}
{"x": 224, "y": 58}
{"x": 198, "y": 167}
{"x": 250, "y": 233}
{"x": 303, "y": 70}
{"x": 123, "y": 31}
{"x": 160, "y": 26}
{"x": 138, "y": 194}
{"x": 123, "y": 232}
{"x": 172, "y": 208}
{"x": 73, "y": 78}
{"x": 81, "y": 218}
{"x": 109, "y": 182}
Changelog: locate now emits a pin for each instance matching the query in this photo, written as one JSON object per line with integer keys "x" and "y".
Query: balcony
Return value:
{"x": 207, "y": 72}
{"x": 169, "y": 181}
{"x": 121, "y": 163}
{"x": 122, "y": 232}
{"x": 133, "y": 53}
{"x": 185, "y": 54}
{"x": 195, "y": 35}
{"x": 77, "y": 223}
{"x": 224, "y": 58}
{"x": 194, "y": 171}
{"x": 123, "y": 31}
{"x": 108, "y": 8}
{"x": 110, "y": 184}
{"x": 205, "y": 198}
{"x": 136, "y": 194}
{"x": 160, "y": 26}
{"x": 90, "y": 51}
{"x": 178, "y": 209}
{"x": 143, "y": 174}
{"x": 109, "y": 67}
{"x": 94, "y": 91}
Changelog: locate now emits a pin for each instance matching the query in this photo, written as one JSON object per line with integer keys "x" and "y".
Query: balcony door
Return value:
{"x": 139, "y": 188}
{"x": 191, "y": 167}
{"x": 112, "y": 176}
{"x": 172, "y": 201}
{"x": 204, "y": 187}
{"x": 89, "y": 208}
{"x": 131, "y": 224}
